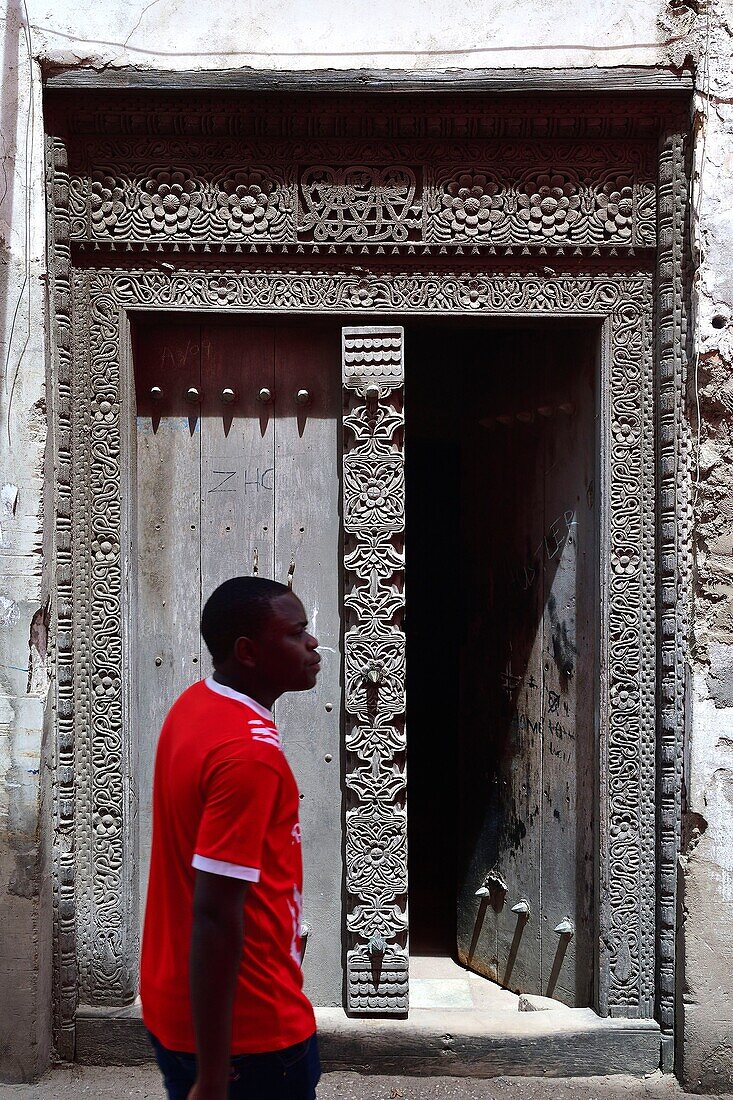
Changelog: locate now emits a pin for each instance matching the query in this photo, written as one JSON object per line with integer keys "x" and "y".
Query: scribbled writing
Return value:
{"x": 552, "y": 543}
{"x": 557, "y": 738}
{"x": 250, "y": 481}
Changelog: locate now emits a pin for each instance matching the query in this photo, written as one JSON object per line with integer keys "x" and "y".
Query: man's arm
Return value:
{"x": 217, "y": 940}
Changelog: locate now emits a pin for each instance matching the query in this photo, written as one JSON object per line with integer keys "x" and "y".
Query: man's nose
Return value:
{"x": 312, "y": 642}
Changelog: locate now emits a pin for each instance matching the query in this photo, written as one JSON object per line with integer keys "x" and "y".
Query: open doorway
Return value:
{"x": 502, "y": 652}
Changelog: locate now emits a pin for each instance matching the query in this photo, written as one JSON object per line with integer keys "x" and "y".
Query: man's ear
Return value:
{"x": 244, "y": 652}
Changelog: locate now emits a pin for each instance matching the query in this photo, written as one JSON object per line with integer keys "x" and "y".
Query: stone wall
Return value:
{"x": 463, "y": 34}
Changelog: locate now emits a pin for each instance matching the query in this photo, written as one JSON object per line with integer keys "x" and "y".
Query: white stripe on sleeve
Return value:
{"x": 230, "y": 870}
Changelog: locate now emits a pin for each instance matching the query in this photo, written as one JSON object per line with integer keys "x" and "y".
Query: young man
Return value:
{"x": 221, "y": 984}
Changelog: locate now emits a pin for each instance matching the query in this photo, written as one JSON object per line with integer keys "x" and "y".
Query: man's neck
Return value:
{"x": 260, "y": 694}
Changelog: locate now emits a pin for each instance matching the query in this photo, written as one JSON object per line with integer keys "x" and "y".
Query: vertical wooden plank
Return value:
{"x": 308, "y": 537}
{"x": 166, "y": 355}
{"x": 570, "y": 688}
{"x": 479, "y": 695}
{"x": 518, "y": 603}
{"x": 237, "y": 454}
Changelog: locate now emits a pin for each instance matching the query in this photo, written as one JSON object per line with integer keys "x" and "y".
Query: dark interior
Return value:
{"x": 479, "y": 459}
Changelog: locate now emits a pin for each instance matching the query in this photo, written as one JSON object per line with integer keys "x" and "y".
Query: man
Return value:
{"x": 221, "y": 984}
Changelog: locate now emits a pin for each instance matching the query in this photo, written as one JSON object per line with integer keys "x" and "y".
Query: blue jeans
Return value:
{"x": 289, "y": 1074}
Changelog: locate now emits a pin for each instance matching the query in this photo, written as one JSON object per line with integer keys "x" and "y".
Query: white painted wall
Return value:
{"x": 25, "y": 939}
{"x": 295, "y": 34}
{"x": 337, "y": 34}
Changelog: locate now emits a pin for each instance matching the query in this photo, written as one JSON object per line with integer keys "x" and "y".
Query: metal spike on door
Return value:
{"x": 291, "y": 571}
{"x": 256, "y": 563}
{"x": 494, "y": 880}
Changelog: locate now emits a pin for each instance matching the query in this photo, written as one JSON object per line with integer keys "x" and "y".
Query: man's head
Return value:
{"x": 255, "y": 630}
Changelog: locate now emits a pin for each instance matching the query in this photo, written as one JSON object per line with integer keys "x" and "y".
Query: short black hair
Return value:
{"x": 237, "y": 608}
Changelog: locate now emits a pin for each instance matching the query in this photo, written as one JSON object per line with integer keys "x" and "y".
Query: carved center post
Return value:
{"x": 374, "y": 563}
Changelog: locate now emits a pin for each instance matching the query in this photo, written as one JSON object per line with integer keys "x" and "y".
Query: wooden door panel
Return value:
{"x": 569, "y": 633}
{"x": 168, "y": 444}
{"x": 224, "y": 488}
{"x": 528, "y": 676}
{"x": 237, "y": 454}
{"x": 517, "y": 602}
{"x": 308, "y": 541}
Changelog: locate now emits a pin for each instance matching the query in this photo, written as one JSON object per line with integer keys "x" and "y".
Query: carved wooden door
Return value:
{"x": 238, "y": 440}
{"x": 529, "y": 671}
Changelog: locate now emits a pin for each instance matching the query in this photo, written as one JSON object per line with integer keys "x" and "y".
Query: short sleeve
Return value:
{"x": 239, "y": 798}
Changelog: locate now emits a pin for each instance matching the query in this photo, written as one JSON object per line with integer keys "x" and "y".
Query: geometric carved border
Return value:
{"x": 674, "y": 517}
{"x": 106, "y": 933}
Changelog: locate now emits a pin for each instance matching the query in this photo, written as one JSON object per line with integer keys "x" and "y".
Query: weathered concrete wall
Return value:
{"x": 166, "y": 34}
{"x": 706, "y": 898}
{"x": 25, "y": 937}
{"x": 365, "y": 34}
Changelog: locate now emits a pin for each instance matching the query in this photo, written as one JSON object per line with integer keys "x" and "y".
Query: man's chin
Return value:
{"x": 307, "y": 682}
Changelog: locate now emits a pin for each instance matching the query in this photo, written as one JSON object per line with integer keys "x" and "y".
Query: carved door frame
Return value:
{"x": 623, "y": 267}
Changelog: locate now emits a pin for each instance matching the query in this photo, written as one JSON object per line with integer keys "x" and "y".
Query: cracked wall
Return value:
{"x": 25, "y": 938}
{"x": 465, "y": 34}
{"x": 706, "y": 895}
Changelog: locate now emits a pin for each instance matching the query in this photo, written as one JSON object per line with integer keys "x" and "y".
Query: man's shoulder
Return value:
{"x": 223, "y": 729}
{"x": 199, "y": 700}
{"x": 192, "y": 697}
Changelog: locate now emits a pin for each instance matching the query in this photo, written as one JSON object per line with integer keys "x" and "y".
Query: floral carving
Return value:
{"x": 376, "y": 854}
{"x": 471, "y": 205}
{"x": 362, "y": 294}
{"x": 615, "y": 208}
{"x": 626, "y": 431}
{"x": 480, "y": 202}
{"x": 625, "y": 561}
{"x": 106, "y": 202}
{"x": 374, "y": 662}
{"x": 248, "y": 204}
{"x": 376, "y": 492}
{"x": 225, "y": 290}
{"x": 549, "y": 205}
{"x": 169, "y": 202}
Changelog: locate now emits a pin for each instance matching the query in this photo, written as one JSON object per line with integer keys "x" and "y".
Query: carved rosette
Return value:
{"x": 374, "y": 521}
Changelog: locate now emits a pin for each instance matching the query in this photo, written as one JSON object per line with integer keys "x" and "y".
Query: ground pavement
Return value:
{"x": 143, "y": 1083}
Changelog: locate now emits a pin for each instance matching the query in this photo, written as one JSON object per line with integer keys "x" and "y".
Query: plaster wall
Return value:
{"x": 25, "y": 945}
{"x": 294, "y": 35}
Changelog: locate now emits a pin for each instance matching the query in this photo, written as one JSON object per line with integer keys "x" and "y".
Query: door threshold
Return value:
{"x": 429, "y": 1042}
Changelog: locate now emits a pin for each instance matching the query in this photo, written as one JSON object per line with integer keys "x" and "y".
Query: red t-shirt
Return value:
{"x": 225, "y": 801}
